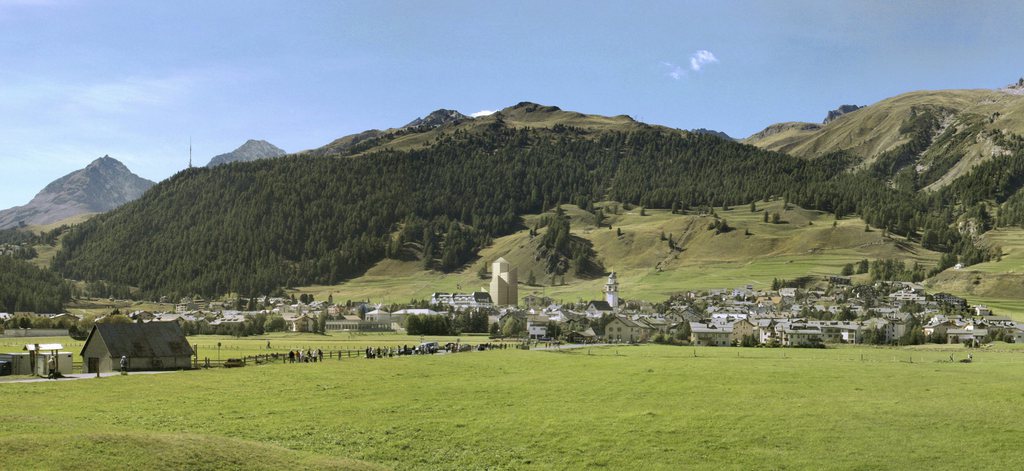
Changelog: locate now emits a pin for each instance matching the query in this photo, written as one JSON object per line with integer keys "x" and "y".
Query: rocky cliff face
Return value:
{"x": 251, "y": 150}
{"x": 832, "y": 115}
{"x": 99, "y": 187}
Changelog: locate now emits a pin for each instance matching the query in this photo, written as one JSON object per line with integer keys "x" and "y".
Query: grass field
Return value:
{"x": 806, "y": 243}
{"x": 651, "y": 407}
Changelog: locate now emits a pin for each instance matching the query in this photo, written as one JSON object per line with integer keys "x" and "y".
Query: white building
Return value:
{"x": 611, "y": 291}
{"x": 460, "y": 301}
{"x": 504, "y": 284}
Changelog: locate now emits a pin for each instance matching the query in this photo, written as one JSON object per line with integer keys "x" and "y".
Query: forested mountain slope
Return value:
{"x": 255, "y": 226}
{"x": 444, "y": 191}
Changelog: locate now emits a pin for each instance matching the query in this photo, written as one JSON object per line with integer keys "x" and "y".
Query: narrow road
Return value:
{"x": 74, "y": 376}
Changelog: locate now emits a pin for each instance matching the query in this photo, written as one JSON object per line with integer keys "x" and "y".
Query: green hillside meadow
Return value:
{"x": 755, "y": 252}
{"x": 657, "y": 407}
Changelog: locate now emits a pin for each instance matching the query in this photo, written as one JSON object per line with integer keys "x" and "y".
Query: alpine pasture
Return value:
{"x": 652, "y": 407}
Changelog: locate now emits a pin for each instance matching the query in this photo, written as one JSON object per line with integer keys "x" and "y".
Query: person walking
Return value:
{"x": 51, "y": 367}
{"x": 124, "y": 365}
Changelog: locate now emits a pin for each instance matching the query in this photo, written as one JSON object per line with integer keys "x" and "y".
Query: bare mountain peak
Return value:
{"x": 253, "y": 149}
{"x": 104, "y": 184}
{"x": 107, "y": 163}
{"x": 437, "y": 118}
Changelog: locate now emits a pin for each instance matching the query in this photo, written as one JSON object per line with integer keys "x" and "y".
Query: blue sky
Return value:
{"x": 136, "y": 80}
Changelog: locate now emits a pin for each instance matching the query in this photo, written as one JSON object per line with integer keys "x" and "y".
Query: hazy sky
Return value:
{"x": 136, "y": 79}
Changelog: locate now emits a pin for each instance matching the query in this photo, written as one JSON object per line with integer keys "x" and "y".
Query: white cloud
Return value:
{"x": 674, "y": 71}
{"x": 482, "y": 113}
{"x": 701, "y": 58}
{"x": 698, "y": 60}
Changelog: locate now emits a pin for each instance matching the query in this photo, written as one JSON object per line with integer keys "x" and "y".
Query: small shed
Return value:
{"x": 39, "y": 356}
{"x": 150, "y": 346}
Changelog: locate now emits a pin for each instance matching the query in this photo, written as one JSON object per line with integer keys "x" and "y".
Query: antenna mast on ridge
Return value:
{"x": 190, "y": 152}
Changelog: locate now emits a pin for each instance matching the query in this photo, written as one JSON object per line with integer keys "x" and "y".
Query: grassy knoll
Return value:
{"x": 654, "y": 407}
{"x": 998, "y": 284}
{"x": 804, "y": 243}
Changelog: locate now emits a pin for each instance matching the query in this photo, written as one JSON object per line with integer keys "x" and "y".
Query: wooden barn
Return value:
{"x": 149, "y": 346}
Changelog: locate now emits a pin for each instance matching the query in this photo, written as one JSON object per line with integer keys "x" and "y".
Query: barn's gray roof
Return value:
{"x": 154, "y": 339}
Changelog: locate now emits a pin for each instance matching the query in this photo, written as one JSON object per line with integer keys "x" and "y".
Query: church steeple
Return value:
{"x": 611, "y": 291}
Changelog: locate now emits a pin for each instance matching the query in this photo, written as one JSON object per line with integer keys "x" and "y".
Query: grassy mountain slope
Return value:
{"x": 998, "y": 283}
{"x": 870, "y": 131}
{"x": 805, "y": 243}
{"x": 783, "y": 135}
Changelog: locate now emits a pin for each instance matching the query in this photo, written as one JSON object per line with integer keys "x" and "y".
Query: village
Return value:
{"x": 838, "y": 312}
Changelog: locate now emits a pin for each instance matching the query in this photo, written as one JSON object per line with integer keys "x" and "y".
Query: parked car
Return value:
{"x": 233, "y": 363}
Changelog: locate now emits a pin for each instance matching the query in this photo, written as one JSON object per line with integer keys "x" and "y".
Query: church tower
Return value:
{"x": 611, "y": 291}
{"x": 504, "y": 284}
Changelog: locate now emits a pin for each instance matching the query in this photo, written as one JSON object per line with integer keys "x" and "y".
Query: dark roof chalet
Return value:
{"x": 602, "y": 306}
{"x": 154, "y": 339}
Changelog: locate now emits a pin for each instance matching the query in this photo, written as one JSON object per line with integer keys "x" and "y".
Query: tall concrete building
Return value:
{"x": 611, "y": 291}
{"x": 504, "y": 284}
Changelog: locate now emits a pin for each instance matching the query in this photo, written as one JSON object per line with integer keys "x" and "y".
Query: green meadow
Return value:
{"x": 754, "y": 252}
{"x": 998, "y": 284}
{"x": 648, "y": 407}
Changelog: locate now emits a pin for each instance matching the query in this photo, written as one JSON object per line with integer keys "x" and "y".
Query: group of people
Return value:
{"x": 308, "y": 356}
{"x": 425, "y": 349}
{"x": 383, "y": 352}
{"x": 313, "y": 356}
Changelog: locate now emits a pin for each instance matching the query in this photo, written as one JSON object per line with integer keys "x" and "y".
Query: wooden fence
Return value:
{"x": 332, "y": 355}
